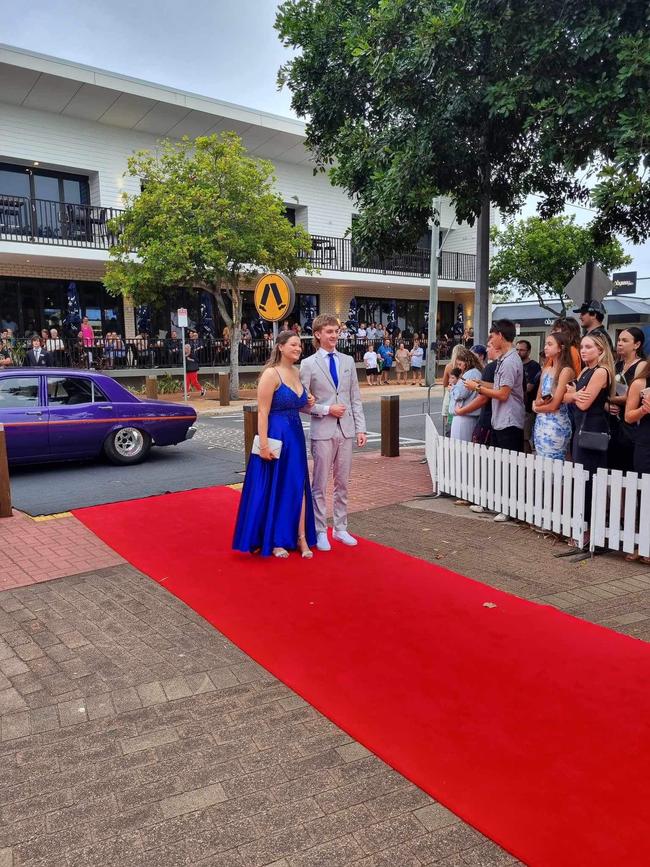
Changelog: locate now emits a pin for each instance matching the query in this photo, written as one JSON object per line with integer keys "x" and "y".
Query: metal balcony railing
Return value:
{"x": 42, "y": 221}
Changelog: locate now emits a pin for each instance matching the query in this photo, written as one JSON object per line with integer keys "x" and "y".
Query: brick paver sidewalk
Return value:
{"x": 133, "y": 733}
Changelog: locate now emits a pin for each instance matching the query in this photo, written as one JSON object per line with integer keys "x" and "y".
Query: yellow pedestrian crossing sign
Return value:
{"x": 274, "y": 297}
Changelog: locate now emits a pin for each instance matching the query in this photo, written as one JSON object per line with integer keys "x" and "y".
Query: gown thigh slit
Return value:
{"x": 274, "y": 491}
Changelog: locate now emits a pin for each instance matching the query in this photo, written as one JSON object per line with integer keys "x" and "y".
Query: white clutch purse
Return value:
{"x": 274, "y": 445}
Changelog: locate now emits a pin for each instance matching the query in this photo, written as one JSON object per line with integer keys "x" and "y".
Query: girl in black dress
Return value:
{"x": 637, "y": 412}
{"x": 590, "y": 395}
{"x": 629, "y": 349}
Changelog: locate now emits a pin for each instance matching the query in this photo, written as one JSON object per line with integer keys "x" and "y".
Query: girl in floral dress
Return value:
{"x": 552, "y": 431}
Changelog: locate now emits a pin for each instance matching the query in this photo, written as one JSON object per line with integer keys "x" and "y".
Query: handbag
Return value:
{"x": 592, "y": 440}
{"x": 274, "y": 445}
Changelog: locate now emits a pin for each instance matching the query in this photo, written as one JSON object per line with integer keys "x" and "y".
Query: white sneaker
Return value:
{"x": 477, "y": 509}
{"x": 501, "y": 518}
{"x": 322, "y": 542}
{"x": 345, "y": 537}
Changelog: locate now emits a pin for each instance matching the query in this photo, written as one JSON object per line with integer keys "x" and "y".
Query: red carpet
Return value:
{"x": 529, "y": 724}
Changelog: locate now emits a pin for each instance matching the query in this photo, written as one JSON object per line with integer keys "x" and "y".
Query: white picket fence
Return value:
{"x": 620, "y": 512}
{"x": 545, "y": 493}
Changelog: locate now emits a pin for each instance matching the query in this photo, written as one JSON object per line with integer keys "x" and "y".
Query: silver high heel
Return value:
{"x": 280, "y": 552}
{"x": 307, "y": 555}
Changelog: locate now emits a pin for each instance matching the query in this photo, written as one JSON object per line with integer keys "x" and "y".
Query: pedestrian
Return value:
{"x": 462, "y": 426}
{"x": 386, "y": 353}
{"x": 402, "y": 364}
{"x": 370, "y": 362}
{"x": 631, "y": 359}
{"x": 592, "y": 315}
{"x": 589, "y": 396}
{"x": 506, "y": 393}
{"x": 552, "y": 430}
{"x": 571, "y": 328}
{"x": 36, "y": 356}
{"x": 192, "y": 372}
{"x": 337, "y": 420}
{"x": 417, "y": 361}
{"x": 531, "y": 384}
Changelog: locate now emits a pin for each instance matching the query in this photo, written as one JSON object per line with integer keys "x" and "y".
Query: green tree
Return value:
{"x": 480, "y": 100}
{"x": 207, "y": 218}
{"x": 538, "y": 257}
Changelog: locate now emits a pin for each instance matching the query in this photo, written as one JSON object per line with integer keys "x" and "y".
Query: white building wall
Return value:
{"x": 101, "y": 151}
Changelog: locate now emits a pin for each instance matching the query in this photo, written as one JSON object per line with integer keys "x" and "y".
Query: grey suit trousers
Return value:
{"x": 331, "y": 454}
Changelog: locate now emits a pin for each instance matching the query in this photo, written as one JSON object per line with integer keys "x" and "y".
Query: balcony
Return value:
{"x": 40, "y": 221}
{"x": 338, "y": 254}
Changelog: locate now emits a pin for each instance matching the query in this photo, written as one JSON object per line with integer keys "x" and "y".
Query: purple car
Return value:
{"x": 58, "y": 415}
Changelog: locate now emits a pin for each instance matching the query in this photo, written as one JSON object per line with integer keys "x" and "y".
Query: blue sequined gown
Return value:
{"x": 273, "y": 492}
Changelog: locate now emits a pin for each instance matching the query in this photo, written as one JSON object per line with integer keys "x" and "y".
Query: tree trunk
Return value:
{"x": 235, "y": 338}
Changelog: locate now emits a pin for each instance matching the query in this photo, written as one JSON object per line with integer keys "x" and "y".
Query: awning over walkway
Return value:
{"x": 530, "y": 314}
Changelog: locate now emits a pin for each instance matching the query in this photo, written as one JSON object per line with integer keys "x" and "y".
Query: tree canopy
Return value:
{"x": 538, "y": 257}
{"x": 475, "y": 99}
{"x": 207, "y": 217}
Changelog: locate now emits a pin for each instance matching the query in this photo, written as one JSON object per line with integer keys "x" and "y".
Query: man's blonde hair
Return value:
{"x": 320, "y": 322}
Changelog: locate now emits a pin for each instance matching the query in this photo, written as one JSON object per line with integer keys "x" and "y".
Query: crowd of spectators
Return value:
{"x": 586, "y": 400}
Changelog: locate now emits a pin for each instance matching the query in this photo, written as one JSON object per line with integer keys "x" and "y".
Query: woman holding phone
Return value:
{"x": 552, "y": 431}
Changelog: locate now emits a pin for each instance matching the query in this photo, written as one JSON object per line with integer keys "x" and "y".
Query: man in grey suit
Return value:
{"x": 337, "y": 419}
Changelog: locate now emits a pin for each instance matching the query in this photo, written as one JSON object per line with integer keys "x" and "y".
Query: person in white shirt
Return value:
{"x": 417, "y": 360}
{"x": 54, "y": 342}
{"x": 370, "y": 332}
{"x": 372, "y": 371}
{"x": 361, "y": 331}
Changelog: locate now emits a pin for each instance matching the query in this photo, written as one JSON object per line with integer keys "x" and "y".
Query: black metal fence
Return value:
{"x": 338, "y": 254}
{"x": 43, "y": 221}
{"x": 146, "y": 354}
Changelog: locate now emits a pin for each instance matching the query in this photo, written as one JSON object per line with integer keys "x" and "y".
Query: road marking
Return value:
{"x": 53, "y": 517}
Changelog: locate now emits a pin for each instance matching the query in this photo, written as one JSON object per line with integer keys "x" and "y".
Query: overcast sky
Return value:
{"x": 225, "y": 49}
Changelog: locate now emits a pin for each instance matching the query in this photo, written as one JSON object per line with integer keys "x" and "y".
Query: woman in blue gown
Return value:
{"x": 276, "y": 513}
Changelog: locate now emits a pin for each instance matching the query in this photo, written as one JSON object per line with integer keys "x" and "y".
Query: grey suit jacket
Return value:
{"x": 315, "y": 376}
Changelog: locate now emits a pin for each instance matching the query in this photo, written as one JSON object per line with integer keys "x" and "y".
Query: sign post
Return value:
{"x": 181, "y": 314}
{"x": 274, "y": 298}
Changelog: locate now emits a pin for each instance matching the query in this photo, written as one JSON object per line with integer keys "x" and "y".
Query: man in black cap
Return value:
{"x": 592, "y": 314}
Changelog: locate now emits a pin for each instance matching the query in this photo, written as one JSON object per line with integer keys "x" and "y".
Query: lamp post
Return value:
{"x": 432, "y": 332}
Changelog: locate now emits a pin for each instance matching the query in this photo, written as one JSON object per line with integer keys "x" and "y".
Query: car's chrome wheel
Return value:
{"x": 128, "y": 442}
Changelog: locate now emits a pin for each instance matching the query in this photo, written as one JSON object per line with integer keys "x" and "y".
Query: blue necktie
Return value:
{"x": 333, "y": 373}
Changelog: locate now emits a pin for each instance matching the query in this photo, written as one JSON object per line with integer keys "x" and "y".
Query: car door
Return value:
{"x": 24, "y": 417}
{"x": 79, "y": 415}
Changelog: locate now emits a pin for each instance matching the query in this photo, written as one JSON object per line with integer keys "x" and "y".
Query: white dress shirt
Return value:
{"x": 323, "y": 408}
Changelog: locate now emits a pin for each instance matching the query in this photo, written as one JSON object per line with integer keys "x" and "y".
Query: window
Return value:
{"x": 18, "y": 392}
{"x": 290, "y": 215}
{"x": 71, "y": 390}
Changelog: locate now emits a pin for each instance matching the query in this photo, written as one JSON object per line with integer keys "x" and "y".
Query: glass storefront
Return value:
{"x": 27, "y": 305}
{"x": 410, "y": 315}
{"x": 307, "y": 306}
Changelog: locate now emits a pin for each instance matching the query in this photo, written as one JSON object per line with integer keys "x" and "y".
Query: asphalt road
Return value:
{"x": 213, "y": 457}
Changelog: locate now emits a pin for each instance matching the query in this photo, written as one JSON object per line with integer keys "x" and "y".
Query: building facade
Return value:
{"x": 66, "y": 132}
